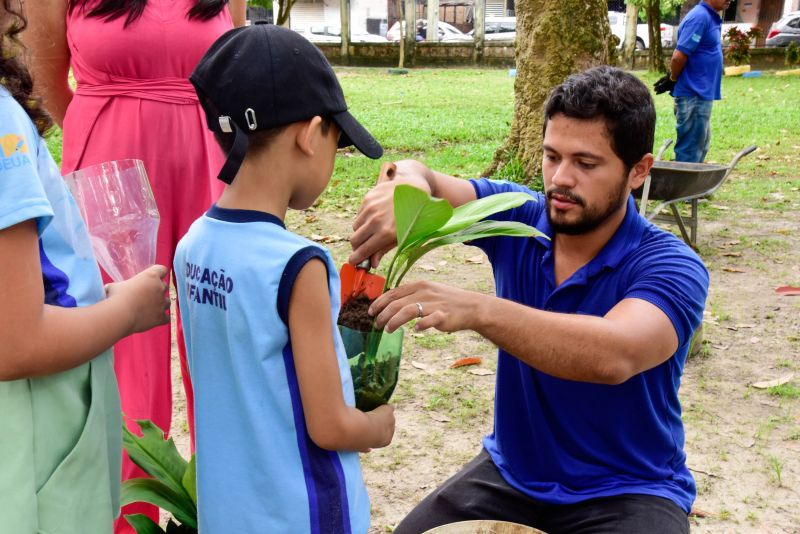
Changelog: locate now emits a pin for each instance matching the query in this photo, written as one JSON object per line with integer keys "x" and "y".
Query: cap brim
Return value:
{"x": 353, "y": 134}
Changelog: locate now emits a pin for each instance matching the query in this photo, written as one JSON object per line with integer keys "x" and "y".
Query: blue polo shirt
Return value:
{"x": 562, "y": 441}
{"x": 700, "y": 38}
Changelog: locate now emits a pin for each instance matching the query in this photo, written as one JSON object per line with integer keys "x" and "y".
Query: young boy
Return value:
{"x": 275, "y": 422}
{"x": 60, "y": 447}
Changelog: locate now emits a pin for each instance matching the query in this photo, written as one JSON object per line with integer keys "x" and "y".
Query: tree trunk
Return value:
{"x": 687, "y": 6}
{"x": 401, "y": 63}
{"x": 629, "y": 45}
{"x": 555, "y": 38}
{"x": 656, "y": 52}
{"x": 284, "y": 10}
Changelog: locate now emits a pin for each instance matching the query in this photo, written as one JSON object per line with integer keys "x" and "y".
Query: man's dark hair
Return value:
{"x": 621, "y": 99}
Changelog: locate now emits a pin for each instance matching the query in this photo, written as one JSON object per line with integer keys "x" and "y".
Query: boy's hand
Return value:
{"x": 145, "y": 295}
{"x": 382, "y": 419}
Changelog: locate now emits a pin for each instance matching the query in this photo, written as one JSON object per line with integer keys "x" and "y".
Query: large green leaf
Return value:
{"x": 158, "y": 457}
{"x": 143, "y": 524}
{"x": 478, "y": 230}
{"x": 417, "y": 214}
{"x": 190, "y": 480}
{"x": 157, "y": 493}
{"x": 479, "y": 209}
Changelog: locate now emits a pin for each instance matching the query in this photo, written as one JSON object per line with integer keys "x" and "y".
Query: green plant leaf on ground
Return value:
{"x": 479, "y": 209}
{"x": 190, "y": 480}
{"x": 417, "y": 214}
{"x": 143, "y": 524}
{"x": 156, "y": 492}
{"x": 158, "y": 457}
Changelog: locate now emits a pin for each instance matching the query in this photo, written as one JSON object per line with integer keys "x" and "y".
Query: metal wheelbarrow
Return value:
{"x": 672, "y": 182}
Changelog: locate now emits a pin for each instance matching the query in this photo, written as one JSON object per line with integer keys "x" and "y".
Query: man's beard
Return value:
{"x": 592, "y": 217}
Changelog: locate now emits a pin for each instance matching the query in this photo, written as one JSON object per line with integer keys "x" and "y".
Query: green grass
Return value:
{"x": 455, "y": 119}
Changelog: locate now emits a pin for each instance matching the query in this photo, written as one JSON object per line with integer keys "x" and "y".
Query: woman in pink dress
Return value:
{"x": 131, "y": 60}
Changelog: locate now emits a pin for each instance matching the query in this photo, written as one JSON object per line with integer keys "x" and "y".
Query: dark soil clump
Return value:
{"x": 354, "y": 314}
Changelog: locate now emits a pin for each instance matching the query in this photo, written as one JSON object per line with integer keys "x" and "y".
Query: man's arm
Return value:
{"x": 374, "y": 230}
{"x": 676, "y": 65}
{"x": 632, "y": 337}
{"x": 238, "y": 10}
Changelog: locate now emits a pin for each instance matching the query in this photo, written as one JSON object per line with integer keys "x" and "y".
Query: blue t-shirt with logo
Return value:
{"x": 257, "y": 468}
{"x": 700, "y": 38}
{"x": 562, "y": 441}
{"x": 61, "y": 437}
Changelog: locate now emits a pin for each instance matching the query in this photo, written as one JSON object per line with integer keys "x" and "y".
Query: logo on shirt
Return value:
{"x": 14, "y": 151}
{"x": 696, "y": 37}
{"x": 208, "y": 286}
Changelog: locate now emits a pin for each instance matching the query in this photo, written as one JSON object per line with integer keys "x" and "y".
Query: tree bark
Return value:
{"x": 655, "y": 52}
{"x": 629, "y": 45}
{"x": 555, "y": 38}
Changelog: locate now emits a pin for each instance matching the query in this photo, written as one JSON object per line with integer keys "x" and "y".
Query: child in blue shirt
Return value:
{"x": 59, "y": 404}
{"x": 277, "y": 430}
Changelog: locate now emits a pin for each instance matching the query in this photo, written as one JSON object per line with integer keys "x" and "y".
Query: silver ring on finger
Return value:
{"x": 419, "y": 309}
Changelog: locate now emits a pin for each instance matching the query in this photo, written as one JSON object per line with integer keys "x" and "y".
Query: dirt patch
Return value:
{"x": 743, "y": 444}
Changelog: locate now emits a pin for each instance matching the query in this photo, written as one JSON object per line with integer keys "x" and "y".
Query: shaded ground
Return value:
{"x": 743, "y": 444}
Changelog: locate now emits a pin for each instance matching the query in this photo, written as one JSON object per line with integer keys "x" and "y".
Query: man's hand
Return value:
{"x": 664, "y": 84}
{"x": 439, "y": 306}
{"x": 374, "y": 231}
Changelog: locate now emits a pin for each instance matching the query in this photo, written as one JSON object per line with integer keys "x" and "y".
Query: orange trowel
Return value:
{"x": 356, "y": 280}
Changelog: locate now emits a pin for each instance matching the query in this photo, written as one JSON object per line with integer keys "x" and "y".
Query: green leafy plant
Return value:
{"x": 173, "y": 486}
{"x": 792, "y": 57}
{"x": 423, "y": 223}
{"x": 739, "y": 48}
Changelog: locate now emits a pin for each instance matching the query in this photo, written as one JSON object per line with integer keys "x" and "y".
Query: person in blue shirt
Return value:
{"x": 695, "y": 77}
{"x": 60, "y": 416}
{"x": 593, "y": 327}
{"x": 277, "y": 431}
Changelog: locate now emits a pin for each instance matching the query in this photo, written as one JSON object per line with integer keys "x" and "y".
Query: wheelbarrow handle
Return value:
{"x": 663, "y": 149}
{"x": 740, "y": 155}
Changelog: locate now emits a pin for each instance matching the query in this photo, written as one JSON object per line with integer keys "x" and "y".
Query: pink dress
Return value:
{"x": 134, "y": 100}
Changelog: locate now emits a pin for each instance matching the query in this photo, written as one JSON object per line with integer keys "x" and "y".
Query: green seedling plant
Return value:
{"x": 423, "y": 224}
{"x": 173, "y": 486}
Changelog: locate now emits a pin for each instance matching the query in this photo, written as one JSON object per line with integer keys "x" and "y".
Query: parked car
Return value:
{"x": 333, "y": 34}
{"x": 785, "y": 31}
{"x": 499, "y": 29}
{"x": 447, "y": 32}
{"x": 616, "y": 20}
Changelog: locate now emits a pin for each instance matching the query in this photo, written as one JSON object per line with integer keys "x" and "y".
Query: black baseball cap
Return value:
{"x": 265, "y": 76}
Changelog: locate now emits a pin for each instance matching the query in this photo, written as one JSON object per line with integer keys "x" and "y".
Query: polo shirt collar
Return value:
{"x": 711, "y": 9}
{"x": 625, "y": 239}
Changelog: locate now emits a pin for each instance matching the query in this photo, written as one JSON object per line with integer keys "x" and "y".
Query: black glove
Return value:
{"x": 664, "y": 84}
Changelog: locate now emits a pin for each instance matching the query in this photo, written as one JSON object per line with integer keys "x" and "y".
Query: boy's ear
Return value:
{"x": 306, "y": 134}
{"x": 639, "y": 171}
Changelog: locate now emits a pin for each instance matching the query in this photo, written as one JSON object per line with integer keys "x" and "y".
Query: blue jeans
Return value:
{"x": 693, "y": 122}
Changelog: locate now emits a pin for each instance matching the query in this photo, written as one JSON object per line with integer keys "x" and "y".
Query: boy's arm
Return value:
{"x": 331, "y": 423}
{"x": 40, "y": 339}
{"x": 374, "y": 230}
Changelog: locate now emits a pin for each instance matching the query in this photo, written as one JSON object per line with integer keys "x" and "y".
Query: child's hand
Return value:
{"x": 382, "y": 419}
{"x": 146, "y": 296}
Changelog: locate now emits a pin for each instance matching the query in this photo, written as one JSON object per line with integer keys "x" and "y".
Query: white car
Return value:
{"x": 333, "y": 34}
{"x": 447, "y": 32}
{"x": 616, "y": 20}
{"x": 499, "y": 29}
